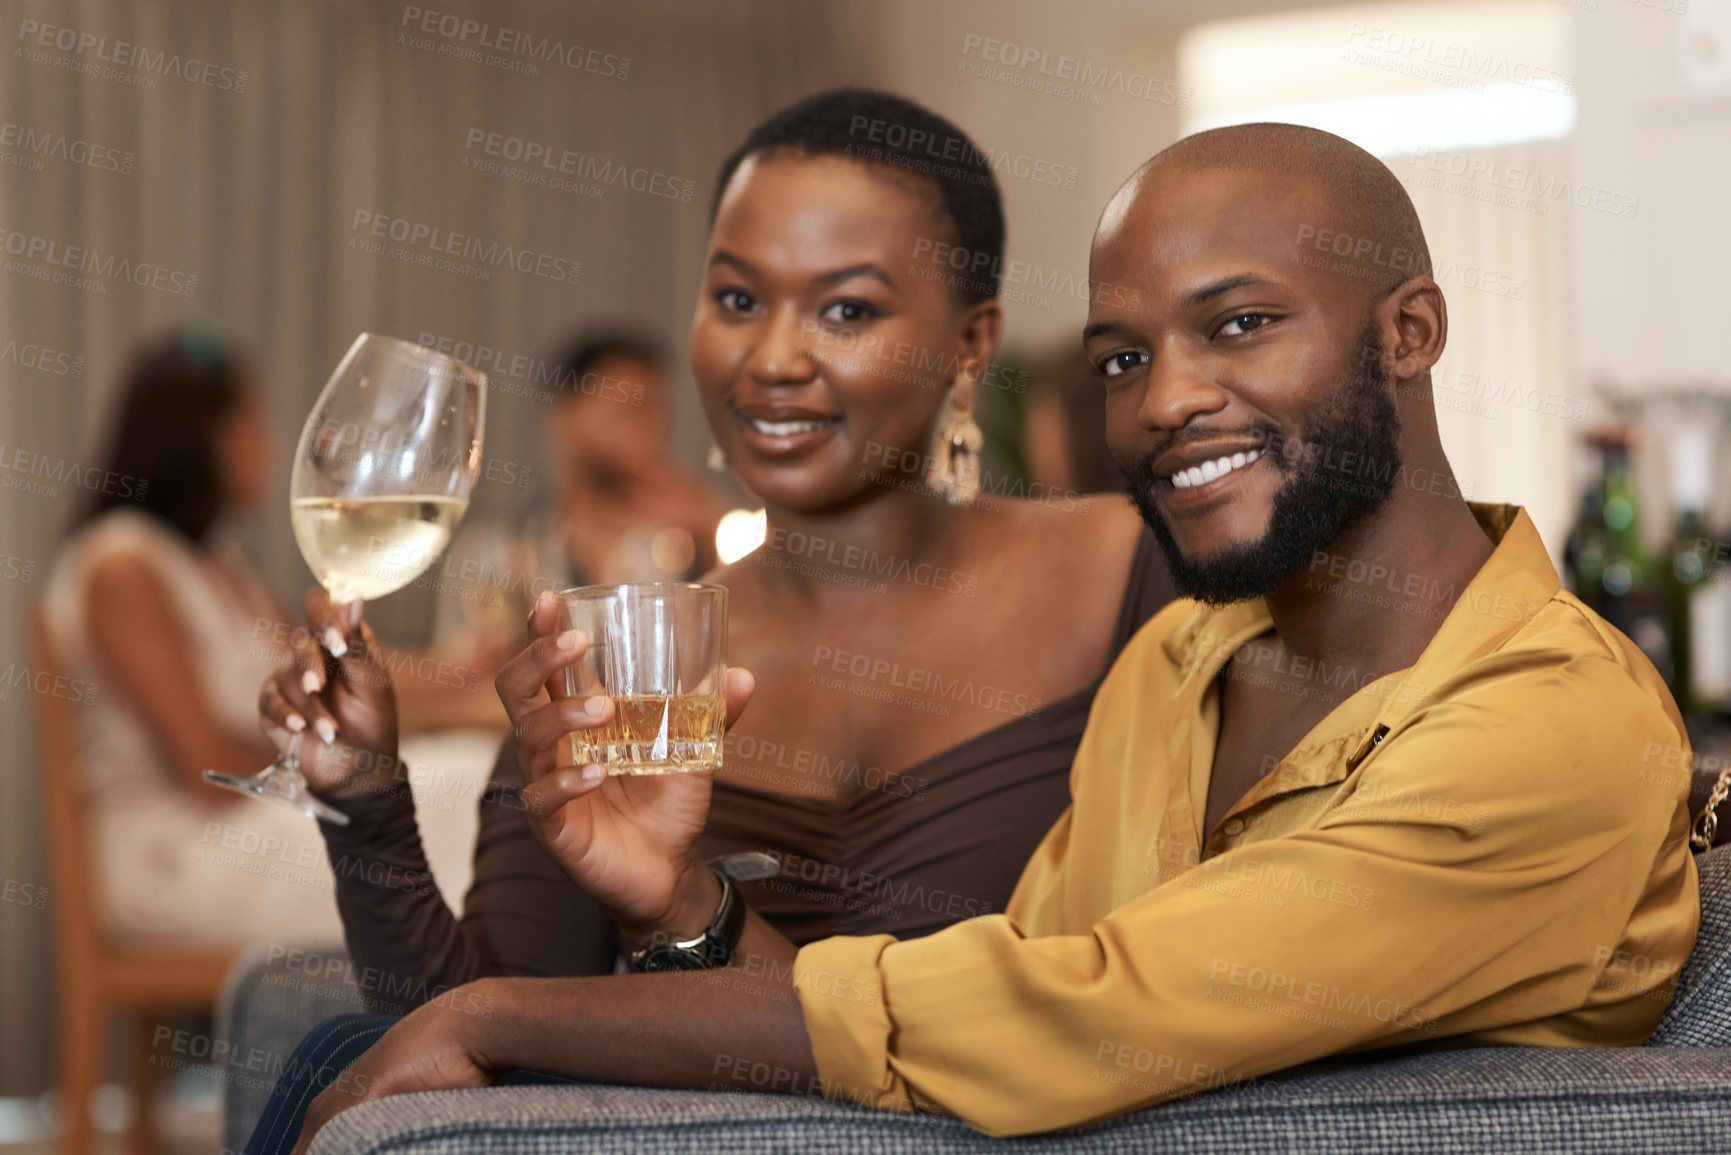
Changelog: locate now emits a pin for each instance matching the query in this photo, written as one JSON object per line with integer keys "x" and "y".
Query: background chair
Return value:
{"x": 96, "y": 977}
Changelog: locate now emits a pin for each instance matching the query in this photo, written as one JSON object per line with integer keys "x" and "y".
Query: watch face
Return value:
{"x": 672, "y": 958}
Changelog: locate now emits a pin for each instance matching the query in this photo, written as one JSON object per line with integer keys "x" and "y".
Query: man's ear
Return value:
{"x": 1414, "y": 323}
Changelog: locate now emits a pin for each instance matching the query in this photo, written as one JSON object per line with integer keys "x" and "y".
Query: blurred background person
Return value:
{"x": 1064, "y": 440}
{"x": 153, "y": 602}
{"x": 617, "y": 505}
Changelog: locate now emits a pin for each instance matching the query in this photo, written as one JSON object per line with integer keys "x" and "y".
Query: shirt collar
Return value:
{"x": 1513, "y": 584}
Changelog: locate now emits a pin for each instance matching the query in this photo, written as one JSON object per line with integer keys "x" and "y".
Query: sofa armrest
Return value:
{"x": 1514, "y": 1099}
{"x": 272, "y": 997}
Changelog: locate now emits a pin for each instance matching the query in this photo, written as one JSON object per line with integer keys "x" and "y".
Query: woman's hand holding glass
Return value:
{"x": 628, "y": 840}
{"x": 382, "y": 475}
{"x": 342, "y": 709}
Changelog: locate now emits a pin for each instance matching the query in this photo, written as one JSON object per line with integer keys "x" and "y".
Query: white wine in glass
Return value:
{"x": 382, "y": 476}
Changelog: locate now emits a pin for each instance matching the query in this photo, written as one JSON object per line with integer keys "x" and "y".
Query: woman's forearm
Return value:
{"x": 676, "y": 1029}
{"x": 402, "y": 939}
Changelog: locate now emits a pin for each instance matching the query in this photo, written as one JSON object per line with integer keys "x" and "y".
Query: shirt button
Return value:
{"x": 1233, "y": 828}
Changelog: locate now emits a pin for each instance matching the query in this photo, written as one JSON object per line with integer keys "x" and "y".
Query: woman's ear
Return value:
{"x": 982, "y": 328}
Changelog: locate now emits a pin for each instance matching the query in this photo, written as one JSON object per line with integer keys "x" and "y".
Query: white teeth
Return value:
{"x": 1212, "y": 470}
{"x": 785, "y": 428}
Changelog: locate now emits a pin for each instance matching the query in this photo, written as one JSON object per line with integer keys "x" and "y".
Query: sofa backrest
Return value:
{"x": 1700, "y": 1011}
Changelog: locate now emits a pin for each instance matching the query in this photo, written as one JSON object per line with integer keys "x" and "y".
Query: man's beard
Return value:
{"x": 1314, "y": 506}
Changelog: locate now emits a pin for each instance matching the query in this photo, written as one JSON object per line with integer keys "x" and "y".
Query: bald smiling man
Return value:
{"x": 1377, "y": 782}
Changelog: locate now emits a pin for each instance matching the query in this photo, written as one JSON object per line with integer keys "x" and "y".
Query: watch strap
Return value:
{"x": 715, "y": 947}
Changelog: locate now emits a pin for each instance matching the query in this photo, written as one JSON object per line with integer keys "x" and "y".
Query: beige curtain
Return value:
{"x": 1508, "y": 407}
{"x": 212, "y": 160}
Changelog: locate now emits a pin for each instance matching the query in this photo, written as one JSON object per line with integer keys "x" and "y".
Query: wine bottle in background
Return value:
{"x": 1584, "y": 550}
{"x": 1698, "y": 602}
{"x": 1610, "y": 570}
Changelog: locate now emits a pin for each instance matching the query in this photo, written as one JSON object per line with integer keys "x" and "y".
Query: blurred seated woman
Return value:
{"x": 903, "y": 755}
{"x": 150, "y": 600}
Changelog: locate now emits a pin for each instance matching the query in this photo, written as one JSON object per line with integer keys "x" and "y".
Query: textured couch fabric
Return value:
{"x": 1674, "y": 1095}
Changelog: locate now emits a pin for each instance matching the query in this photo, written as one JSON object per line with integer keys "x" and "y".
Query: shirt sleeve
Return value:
{"x": 1496, "y": 901}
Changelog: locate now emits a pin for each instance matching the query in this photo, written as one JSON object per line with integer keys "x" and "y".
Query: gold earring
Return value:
{"x": 955, "y": 469}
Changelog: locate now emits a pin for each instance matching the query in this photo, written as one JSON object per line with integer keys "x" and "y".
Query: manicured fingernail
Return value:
{"x": 593, "y": 773}
{"x": 327, "y": 732}
{"x": 595, "y": 707}
{"x": 334, "y": 642}
{"x": 310, "y": 682}
{"x": 295, "y": 723}
{"x": 569, "y": 639}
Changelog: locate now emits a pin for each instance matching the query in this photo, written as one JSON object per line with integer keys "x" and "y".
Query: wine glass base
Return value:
{"x": 279, "y": 787}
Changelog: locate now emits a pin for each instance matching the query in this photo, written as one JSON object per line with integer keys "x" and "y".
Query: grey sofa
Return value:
{"x": 1673, "y": 1095}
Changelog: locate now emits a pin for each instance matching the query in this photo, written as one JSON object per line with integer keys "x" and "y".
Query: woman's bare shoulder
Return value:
{"x": 1083, "y": 552}
{"x": 1095, "y": 526}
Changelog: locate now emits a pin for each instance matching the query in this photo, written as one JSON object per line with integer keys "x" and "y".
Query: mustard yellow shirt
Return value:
{"x": 1486, "y": 848}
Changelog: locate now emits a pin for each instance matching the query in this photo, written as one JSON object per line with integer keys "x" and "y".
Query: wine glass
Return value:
{"x": 382, "y": 476}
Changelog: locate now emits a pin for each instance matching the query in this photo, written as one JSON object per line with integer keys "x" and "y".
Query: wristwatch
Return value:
{"x": 715, "y": 947}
